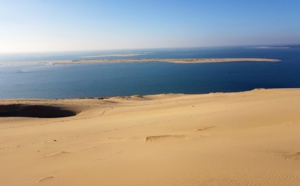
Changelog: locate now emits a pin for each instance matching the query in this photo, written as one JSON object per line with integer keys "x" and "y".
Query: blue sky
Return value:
{"x": 66, "y": 25}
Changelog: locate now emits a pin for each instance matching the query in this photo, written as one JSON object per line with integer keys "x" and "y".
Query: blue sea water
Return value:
{"x": 41, "y": 80}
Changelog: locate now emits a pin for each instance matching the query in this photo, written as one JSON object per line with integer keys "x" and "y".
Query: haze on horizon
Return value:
{"x": 35, "y": 25}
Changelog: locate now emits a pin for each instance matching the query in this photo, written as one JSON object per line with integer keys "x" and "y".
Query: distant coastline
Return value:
{"x": 182, "y": 61}
{"x": 279, "y": 47}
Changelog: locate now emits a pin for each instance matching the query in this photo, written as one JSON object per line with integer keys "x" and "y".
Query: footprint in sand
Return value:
{"x": 48, "y": 178}
{"x": 150, "y": 139}
{"x": 54, "y": 154}
{"x": 294, "y": 156}
{"x": 115, "y": 139}
{"x": 204, "y": 128}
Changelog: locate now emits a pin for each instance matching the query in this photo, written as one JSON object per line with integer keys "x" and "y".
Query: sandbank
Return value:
{"x": 182, "y": 61}
{"x": 196, "y": 60}
{"x": 243, "y": 138}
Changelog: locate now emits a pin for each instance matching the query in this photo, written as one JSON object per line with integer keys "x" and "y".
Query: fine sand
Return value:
{"x": 246, "y": 138}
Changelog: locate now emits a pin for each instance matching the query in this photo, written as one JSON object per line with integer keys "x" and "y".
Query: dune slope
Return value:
{"x": 246, "y": 138}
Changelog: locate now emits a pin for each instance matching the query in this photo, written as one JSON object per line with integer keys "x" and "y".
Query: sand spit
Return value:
{"x": 245, "y": 138}
{"x": 184, "y": 61}
{"x": 197, "y": 60}
{"x": 113, "y": 55}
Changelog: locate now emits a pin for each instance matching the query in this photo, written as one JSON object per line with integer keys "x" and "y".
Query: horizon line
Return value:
{"x": 152, "y": 48}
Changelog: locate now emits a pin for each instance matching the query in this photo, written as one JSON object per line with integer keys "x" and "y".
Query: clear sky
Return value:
{"x": 65, "y": 25}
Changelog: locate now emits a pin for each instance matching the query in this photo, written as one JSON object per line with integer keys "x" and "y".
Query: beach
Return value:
{"x": 241, "y": 138}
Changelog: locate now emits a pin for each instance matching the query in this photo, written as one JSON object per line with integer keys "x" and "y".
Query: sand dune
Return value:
{"x": 246, "y": 138}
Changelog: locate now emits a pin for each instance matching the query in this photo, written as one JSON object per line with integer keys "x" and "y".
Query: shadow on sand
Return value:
{"x": 35, "y": 111}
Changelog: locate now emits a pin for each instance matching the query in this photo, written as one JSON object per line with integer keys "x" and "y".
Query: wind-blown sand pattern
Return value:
{"x": 246, "y": 138}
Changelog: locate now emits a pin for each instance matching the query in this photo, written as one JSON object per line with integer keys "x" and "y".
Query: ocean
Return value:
{"x": 41, "y": 79}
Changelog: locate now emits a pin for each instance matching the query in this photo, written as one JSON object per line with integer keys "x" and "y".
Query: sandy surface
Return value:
{"x": 248, "y": 138}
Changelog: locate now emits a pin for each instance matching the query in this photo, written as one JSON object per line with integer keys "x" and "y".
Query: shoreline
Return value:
{"x": 139, "y": 95}
{"x": 179, "y": 61}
